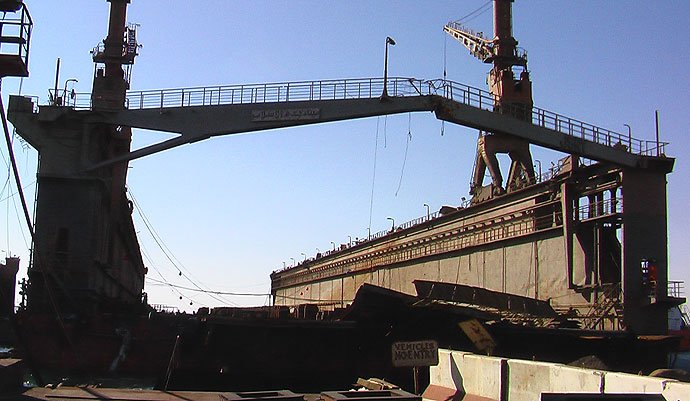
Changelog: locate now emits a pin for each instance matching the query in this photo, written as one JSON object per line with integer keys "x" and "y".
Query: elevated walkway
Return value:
{"x": 199, "y": 113}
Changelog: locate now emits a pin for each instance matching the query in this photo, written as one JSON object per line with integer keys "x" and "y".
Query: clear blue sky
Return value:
{"x": 233, "y": 209}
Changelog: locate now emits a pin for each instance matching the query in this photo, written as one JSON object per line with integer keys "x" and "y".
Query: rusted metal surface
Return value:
{"x": 467, "y": 229}
{"x": 481, "y": 297}
{"x": 90, "y": 393}
{"x": 378, "y": 395}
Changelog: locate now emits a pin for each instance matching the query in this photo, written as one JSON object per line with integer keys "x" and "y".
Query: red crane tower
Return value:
{"x": 511, "y": 96}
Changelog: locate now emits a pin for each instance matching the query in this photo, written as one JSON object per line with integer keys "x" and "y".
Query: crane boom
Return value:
{"x": 475, "y": 42}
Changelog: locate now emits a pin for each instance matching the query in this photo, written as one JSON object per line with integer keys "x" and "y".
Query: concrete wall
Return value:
{"x": 502, "y": 379}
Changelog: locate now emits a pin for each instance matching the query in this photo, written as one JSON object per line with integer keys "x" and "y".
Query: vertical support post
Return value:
{"x": 57, "y": 78}
{"x": 658, "y": 150}
{"x": 645, "y": 236}
{"x": 567, "y": 210}
{"x": 389, "y": 41}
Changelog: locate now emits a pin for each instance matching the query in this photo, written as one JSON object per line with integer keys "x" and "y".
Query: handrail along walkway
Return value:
{"x": 369, "y": 88}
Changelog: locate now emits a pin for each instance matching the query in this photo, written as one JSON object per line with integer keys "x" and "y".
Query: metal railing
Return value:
{"x": 15, "y": 34}
{"x": 481, "y": 99}
{"x": 371, "y": 237}
{"x": 161, "y": 308}
{"x": 363, "y": 88}
{"x": 494, "y": 229}
{"x": 676, "y": 289}
{"x": 602, "y": 208}
{"x": 368, "y": 88}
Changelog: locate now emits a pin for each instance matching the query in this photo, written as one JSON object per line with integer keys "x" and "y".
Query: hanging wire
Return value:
{"x": 7, "y": 211}
{"x": 15, "y": 170}
{"x": 172, "y": 287}
{"x": 476, "y": 13}
{"x": 445, "y": 74}
{"x": 373, "y": 178}
{"x": 407, "y": 145}
{"x": 445, "y": 56}
{"x": 181, "y": 287}
{"x": 166, "y": 251}
{"x": 151, "y": 264}
{"x": 385, "y": 131}
{"x": 19, "y": 221}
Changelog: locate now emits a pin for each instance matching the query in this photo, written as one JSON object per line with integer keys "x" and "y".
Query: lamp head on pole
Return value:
{"x": 390, "y": 41}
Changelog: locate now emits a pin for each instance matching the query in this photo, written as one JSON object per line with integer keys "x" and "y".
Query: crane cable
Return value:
{"x": 373, "y": 178}
{"x": 15, "y": 170}
{"x": 476, "y": 13}
{"x": 445, "y": 75}
{"x": 407, "y": 146}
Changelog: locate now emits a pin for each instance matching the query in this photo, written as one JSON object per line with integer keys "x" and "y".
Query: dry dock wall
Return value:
{"x": 501, "y": 379}
{"x": 533, "y": 268}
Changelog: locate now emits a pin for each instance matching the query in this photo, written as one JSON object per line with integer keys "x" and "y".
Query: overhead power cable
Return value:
{"x": 168, "y": 254}
{"x": 181, "y": 287}
{"x": 163, "y": 281}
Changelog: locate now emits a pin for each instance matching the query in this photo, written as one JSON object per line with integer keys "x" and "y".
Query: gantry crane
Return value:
{"x": 511, "y": 96}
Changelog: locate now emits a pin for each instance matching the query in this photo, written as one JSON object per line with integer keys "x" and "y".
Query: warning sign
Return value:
{"x": 415, "y": 353}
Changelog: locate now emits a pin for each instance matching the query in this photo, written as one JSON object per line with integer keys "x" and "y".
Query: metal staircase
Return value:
{"x": 608, "y": 307}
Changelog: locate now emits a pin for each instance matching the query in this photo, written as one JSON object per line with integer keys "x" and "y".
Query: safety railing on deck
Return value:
{"x": 496, "y": 228}
{"x": 547, "y": 119}
{"x": 367, "y": 88}
{"x": 15, "y": 33}
{"x": 602, "y": 208}
{"x": 676, "y": 289}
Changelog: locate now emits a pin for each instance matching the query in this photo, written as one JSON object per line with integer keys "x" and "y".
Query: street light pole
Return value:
{"x": 393, "y": 220}
{"x": 333, "y": 245}
{"x": 389, "y": 41}
{"x": 629, "y": 137}
{"x": 427, "y": 211}
{"x": 64, "y": 91}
